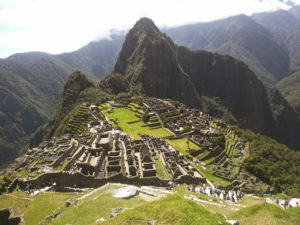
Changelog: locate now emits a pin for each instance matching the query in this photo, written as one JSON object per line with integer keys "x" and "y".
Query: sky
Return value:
{"x": 57, "y": 26}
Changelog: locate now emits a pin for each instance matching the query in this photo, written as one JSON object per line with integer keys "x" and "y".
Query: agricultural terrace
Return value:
{"x": 130, "y": 123}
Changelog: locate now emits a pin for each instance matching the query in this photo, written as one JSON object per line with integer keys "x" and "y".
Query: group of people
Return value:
{"x": 233, "y": 195}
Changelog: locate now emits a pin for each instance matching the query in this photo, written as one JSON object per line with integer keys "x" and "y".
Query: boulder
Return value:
{"x": 115, "y": 211}
{"x": 5, "y": 220}
{"x": 68, "y": 203}
{"x": 233, "y": 222}
{"x": 126, "y": 192}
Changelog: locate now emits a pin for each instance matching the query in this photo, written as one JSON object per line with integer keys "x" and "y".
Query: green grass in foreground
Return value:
{"x": 16, "y": 203}
{"x": 173, "y": 209}
{"x": 266, "y": 214}
{"x": 215, "y": 180}
{"x": 125, "y": 115}
{"x": 45, "y": 204}
{"x": 182, "y": 146}
{"x": 34, "y": 208}
{"x": 88, "y": 212}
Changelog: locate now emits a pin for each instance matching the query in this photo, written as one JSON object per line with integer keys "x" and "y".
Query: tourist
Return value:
{"x": 194, "y": 188}
{"x": 286, "y": 204}
{"x": 170, "y": 185}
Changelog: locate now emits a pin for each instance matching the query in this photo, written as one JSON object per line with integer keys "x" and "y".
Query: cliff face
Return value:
{"x": 151, "y": 64}
{"x": 231, "y": 81}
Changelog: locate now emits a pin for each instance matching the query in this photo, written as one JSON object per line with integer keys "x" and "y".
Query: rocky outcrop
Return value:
{"x": 5, "y": 218}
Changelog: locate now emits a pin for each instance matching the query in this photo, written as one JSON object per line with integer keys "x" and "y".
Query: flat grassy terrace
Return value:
{"x": 182, "y": 146}
{"x": 125, "y": 116}
{"x": 208, "y": 174}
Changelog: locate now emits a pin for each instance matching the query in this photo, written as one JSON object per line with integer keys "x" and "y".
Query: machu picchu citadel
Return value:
{"x": 188, "y": 125}
{"x": 98, "y": 149}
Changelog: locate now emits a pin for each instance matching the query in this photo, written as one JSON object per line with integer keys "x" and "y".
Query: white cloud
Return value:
{"x": 56, "y": 26}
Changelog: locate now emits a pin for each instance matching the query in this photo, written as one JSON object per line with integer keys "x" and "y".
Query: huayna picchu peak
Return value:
{"x": 169, "y": 136}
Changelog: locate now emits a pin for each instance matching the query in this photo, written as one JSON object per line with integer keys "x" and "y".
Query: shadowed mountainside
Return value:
{"x": 151, "y": 64}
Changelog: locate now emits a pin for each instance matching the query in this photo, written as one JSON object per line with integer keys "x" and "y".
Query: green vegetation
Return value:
{"x": 290, "y": 89}
{"x": 78, "y": 122}
{"x": 161, "y": 171}
{"x": 184, "y": 146}
{"x": 18, "y": 203}
{"x": 34, "y": 208}
{"x": 44, "y": 204}
{"x": 124, "y": 116}
{"x": 265, "y": 214}
{"x": 230, "y": 142}
{"x": 272, "y": 162}
{"x": 89, "y": 211}
{"x": 173, "y": 209}
{"x": 207, "y": 172}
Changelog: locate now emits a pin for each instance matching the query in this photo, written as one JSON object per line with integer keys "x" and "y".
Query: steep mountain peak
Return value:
{"x": 148, "y": 62}
{"x": 143, "y": 35}
{"x": 145, "y": 24}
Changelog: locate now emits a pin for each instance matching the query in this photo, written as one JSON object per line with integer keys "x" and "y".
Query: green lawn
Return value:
{"x": 182, "y": 146}
{"x": 88, "y": 212}
{"x": 266, "y": 214}
{"x": 125, "y": 116}
{"x": 173, "y": 209}
{"x": 34, "y": 209}
{"x": 161, "y": 171}
{"x": 16, "y": 203}
{"x": 45, "y": 204}
{"x": 215, "y": 180}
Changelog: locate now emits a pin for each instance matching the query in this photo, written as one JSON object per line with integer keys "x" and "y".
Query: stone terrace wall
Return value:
{"x": 81, "y": 180}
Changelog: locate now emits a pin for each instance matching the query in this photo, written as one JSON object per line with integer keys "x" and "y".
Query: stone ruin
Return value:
{"x": 106, "y": 152}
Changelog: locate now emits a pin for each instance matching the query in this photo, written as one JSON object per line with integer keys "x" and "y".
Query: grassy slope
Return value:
{"x": 173, "y": 209}
{"x": 125, "y": 115}
{"x": 88, "y": 212}
{"x": 215, "y": 180}
{"x": 290, "y": 89}
{"x": 161, "y": 171}
{"x": 266, "y": 214}
{"x": 34, "y": 208}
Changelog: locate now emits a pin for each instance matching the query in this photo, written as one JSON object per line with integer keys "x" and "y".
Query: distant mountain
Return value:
{"x": 268, "y": 42}
{"x": 241, "y": 37}
{"x": 290, "y": 89}
{"x": 31, "y": 85}
{"x": 29, "y": 88}
{"x": 151, "y": 64}
{"x": 285, "y": 25}
{"x": 95, "y": 59}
